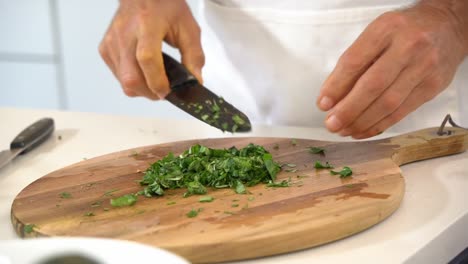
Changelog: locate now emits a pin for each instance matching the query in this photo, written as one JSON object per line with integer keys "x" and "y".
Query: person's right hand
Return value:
{"x": 132, "y": 45}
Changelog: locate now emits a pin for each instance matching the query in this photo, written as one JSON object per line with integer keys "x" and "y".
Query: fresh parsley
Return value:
{"x": 125, "y": 200}
{"x": 317, "y": 150}
{"x": 29, "y": 228}
{"x": 206, "y": 199}
{"x": 200, "y": 167}
{"x": 345, "y": 172}
{"x": 65, "y": 195}
{"x": 319, "y": 165}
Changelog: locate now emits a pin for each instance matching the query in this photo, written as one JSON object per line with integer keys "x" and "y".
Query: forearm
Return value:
{"x": 457, "y": 12}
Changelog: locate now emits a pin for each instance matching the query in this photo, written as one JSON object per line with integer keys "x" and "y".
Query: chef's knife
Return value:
{"x": 28, "y": 139}
{"x": 192, "y": 97}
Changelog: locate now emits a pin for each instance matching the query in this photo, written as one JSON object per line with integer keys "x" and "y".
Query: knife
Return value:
{"x": 29, "y": 138}
{"x": 192, "y": 97}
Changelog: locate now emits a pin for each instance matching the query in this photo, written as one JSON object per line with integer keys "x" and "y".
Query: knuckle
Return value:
{"x": 145, "y": 55}
{"x": 131, "y": 82}
{"x": 417, "y": 41}
{"x": 391, "y": 102}
{"x": 103, "y": 50}
{"x": 436, "y": 82}
{"x": 351, "y": 62}
{"x": 433, "y": 59}
{"x": 393, "y": 19}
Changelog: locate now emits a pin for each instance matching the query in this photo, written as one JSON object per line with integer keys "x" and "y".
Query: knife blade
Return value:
{"x": 28, "y": 139}
{"x": 195, "y": 99}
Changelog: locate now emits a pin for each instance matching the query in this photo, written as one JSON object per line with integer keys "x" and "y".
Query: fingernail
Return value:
{"x": 333, "y": 123}
{"x": 325, "y": 103}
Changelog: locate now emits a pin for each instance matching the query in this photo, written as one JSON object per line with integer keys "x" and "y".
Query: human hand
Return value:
{"x": 400, "y": 61}
{"x": 132, "y": 45}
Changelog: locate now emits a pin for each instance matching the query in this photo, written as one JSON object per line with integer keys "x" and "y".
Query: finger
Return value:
{"x": 353, "y": 63}
{"x": 130, "y": 75}
{"x": 393, "y": 97}
{"x": 368, "y": 88}
{"x": 108, "y": 53}
{"x": 150, "y": 60}
{"x": 420, "y": 95}
{"x": 189, "y": 44}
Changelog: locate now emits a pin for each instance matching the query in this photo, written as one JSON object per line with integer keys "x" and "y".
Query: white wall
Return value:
{"x": 49, "y": 59}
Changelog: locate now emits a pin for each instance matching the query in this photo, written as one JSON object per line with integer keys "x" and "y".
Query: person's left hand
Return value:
{"x": 401, "y": 60}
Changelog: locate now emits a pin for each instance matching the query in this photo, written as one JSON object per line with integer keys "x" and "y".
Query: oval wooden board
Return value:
{"x": 316, "y": 209}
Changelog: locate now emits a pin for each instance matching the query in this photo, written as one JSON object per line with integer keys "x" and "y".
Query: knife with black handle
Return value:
{"x": 26, "y": 140}
{"x": 192, "y": 97}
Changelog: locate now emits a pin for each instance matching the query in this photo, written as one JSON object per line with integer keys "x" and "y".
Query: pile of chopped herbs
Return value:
{"x": 200, "y": 167}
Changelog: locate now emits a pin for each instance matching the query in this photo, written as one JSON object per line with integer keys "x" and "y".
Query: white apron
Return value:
{"x": 270, "y": 59}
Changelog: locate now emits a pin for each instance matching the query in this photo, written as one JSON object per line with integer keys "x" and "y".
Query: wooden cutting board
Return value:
{"x": 316, "y": 209}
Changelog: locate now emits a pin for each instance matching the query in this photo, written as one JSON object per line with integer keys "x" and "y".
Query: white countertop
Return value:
{"x": 431, "y": 225}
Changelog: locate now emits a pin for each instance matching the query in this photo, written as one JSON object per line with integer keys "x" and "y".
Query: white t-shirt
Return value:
{"x": 294, "y": 5}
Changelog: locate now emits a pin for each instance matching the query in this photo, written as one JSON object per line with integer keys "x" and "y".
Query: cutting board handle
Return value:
{"x": 426, "y": 144}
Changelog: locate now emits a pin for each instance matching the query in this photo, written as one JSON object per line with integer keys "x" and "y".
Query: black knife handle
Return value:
{"x": 33, "y": 135}
{"x": 177, "y": 74}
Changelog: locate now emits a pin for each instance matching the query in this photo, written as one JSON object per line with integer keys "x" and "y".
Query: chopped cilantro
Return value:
{"x": 206, "y": 199}
{"x": 238, "y": 120}
{"x": 125, "y": 200}
{"x": 29, "y": 228}
{"x": 200, "y": 167}
{"x": 228, "y": 212}
{"x": 319, "y": 165}
{"x": 251, "y": 198}
{"x": 171, "y": 203}
{"x": 293, "y": 142}
{"x": 276, "y": 147}
{"x": 283, "y": 183}
{"x": 345, "y": 172}
{"x": 65, "y": 195}
{"x": 193, "y": 213}
{"x": 234, "y": 205}
{"x": 316, "y": 150}
{"x": 240, "y": 188}
{"x": 89, "y": 214}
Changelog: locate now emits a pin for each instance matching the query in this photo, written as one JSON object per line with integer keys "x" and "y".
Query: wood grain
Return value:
{"x": 316, "y": 209}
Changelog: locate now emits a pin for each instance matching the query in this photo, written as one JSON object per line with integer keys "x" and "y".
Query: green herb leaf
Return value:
{"x": 65, "y": 195}
{"x": 238, "y": 120}
{"x": 125, "y": 200}
{"x": 293, "y": 142}
{"x": 345, "y": 172}
{"x": 240, "y": 188}
{"x": 234, "y": 205}
{"x": 171, "y": 203}
{"x": 251, "y": 198}
{"x": 89, "y": 214}
{"x": 200, "y": 167}
{"x": 316, "y": 150}
{"x": 283, "y": 183}
{"x": 192, "y": 213}
{"x": 206, "y": 199}
{"x": 319, "y": 165}
{"x": 29, "y": 228}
